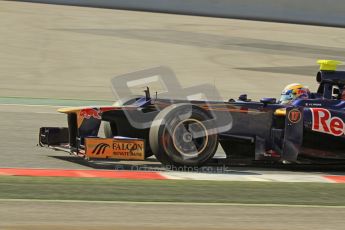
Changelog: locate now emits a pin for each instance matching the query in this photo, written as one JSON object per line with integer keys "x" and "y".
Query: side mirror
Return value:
{"x": 335, "y": 92}
{"x": 147, "y": 93}
{"x": 268, "y": 100}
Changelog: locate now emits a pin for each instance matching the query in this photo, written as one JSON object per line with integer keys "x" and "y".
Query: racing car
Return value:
{"x": 188, "y": 132}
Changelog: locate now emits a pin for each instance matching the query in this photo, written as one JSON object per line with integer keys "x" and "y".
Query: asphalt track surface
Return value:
{"x": 126, "y": 215}
{"x": 61, "y": 52}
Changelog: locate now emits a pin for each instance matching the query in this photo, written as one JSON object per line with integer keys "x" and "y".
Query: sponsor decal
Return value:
{"x": 127, "y": 146}
{"x": 324, "y": 122}
{"x": 95, "y": 113}
{"x": 122, "y": 149}
{"x": 88, "y": 113}
{"x": 100, "y": 148}
{"x": 294, "y": 116}
{"x": 313, "y": 104}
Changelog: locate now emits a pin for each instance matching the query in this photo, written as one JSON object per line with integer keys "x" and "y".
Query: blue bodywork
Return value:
{"x": 307, "y": 130}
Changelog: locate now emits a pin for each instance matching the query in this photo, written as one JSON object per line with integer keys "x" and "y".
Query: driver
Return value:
{"x": 292, "y": 92}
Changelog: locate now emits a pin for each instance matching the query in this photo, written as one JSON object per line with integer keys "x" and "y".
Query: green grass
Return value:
{"x": 171, "y": 191}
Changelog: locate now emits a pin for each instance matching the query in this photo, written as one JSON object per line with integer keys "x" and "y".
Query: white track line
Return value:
{"x": 25, "y": 105}
{"x": 173, "y": 203}
{"x": 240, "y": 177}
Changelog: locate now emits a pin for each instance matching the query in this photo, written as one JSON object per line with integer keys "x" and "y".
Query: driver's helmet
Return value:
{"x": 292, "y": 92}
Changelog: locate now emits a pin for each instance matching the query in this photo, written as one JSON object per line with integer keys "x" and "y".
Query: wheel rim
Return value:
{"x": 190, "y": 137}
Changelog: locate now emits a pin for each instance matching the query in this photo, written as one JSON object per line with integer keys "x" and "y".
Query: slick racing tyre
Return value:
{"x": 180, "y": 136}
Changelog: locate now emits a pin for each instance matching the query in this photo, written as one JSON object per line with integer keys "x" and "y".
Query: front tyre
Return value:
{"x": 180, "y": 135}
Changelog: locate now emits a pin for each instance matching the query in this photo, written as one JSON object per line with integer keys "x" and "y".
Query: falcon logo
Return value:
{"x": 100, "y": 148}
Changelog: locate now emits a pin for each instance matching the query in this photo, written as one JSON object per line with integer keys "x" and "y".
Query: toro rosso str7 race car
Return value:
{"x": 182, "y": 132}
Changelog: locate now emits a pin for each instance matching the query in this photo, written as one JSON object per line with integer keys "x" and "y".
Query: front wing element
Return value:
{"x": 117, "y": 148}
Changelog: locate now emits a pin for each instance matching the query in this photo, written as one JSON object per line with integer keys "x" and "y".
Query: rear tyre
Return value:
{"x": 179, "y": 136}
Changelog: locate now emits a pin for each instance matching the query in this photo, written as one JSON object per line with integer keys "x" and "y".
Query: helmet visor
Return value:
{"x": 286, "y": 97}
